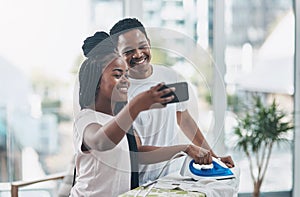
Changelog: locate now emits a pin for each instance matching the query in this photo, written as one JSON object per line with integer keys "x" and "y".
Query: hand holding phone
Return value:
{"x": 180, "y": 94}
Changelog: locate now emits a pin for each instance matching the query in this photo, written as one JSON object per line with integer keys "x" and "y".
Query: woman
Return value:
{"x": 102, "y": 156}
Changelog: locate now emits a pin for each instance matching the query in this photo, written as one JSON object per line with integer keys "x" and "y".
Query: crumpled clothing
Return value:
{"x": 208, "y": 186}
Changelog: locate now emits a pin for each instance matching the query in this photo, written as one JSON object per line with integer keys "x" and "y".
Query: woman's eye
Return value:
{"x": 118, "y": 76}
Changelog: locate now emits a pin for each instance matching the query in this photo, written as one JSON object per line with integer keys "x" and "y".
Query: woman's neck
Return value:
{"x": 105, "y": 107}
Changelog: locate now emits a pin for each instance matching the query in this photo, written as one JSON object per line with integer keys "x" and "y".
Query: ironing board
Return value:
{"x": 162, "y": 193}
{"x": 176, "y": 185}
{"x": 165, "y": 186}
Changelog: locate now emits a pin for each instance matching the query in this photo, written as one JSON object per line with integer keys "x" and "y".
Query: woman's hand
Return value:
{"x": 152, "y": 98}
{"x": 200, "y": 155}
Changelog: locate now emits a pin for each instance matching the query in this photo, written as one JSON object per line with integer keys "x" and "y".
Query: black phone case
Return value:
{"x": 181, "y": 92}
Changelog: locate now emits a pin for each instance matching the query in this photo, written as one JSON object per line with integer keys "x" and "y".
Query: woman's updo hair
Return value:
{"x": 99, "y": 43}
{"x": 100, "y": 52}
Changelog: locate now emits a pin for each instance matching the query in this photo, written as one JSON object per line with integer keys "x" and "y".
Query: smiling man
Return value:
{"x": 155, "y": 128}
{"x": 135, "y": 49}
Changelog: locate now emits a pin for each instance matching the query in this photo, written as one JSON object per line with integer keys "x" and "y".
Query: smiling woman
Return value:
{"x": 101, "y": 150}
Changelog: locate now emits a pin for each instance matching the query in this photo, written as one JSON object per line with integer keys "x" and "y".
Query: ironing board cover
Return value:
{"x": 163, "y": 193}
{"x": 176, "y": 185}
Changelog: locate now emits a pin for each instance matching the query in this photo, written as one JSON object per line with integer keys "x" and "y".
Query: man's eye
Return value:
{"x": 128, "y": 52}
{"x": 144, "y": 47}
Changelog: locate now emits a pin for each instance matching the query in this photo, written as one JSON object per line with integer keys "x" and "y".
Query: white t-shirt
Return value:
{"x": 105, "y": 173}
{"x": 156, "y": 127}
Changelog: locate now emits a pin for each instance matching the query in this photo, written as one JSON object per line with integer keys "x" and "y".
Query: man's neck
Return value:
{"x": 144, "y": 75}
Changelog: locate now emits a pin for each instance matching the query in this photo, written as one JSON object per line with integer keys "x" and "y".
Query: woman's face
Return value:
{"x": 114, "y": 81}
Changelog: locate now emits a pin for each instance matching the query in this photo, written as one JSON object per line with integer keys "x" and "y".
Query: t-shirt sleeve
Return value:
{"x": 177, "y": 77}
{"x": 182, "y": 106}
{"x": 83, "y": 119}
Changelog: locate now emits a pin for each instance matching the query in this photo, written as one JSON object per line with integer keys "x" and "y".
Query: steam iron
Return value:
{"x": 216, "y": 170}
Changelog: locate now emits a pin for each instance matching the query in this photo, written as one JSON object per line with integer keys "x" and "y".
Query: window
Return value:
{"x": 256, "y": 58}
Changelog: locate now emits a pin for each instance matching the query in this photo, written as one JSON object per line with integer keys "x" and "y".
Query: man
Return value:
{"x": 155, "y": 128}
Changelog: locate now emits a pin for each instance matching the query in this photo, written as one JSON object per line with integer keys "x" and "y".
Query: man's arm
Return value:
{"x": 192, "y": 131}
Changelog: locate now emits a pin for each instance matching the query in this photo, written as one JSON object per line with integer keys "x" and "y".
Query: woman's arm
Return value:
{"x": 109, "y": 135}
{"x": 155, "y": 154}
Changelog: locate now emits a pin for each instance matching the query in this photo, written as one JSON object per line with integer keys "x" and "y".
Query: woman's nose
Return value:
{"x": 124, "y": 79}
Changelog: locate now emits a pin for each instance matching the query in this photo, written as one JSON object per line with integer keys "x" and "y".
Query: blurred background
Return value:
{"x": 251, "y": 43}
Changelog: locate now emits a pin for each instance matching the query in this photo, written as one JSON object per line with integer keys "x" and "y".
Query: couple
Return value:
{"x": 102, "y": 159}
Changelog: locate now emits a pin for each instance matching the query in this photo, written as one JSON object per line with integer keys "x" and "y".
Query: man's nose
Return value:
{"x": 137, "y": 53}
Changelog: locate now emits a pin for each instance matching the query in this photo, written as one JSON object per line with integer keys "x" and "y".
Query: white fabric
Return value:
{"x": 105, "y": 173}
{"x": 208, "y": 186}
{"x": 156, "y": 127}
{"x": 76, "y": 105}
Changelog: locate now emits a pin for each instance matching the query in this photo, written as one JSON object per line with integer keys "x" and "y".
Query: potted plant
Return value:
{"x": 258, "y": 130}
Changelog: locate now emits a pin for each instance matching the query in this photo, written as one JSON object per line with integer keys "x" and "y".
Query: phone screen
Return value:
{"x": 181, "y": 92}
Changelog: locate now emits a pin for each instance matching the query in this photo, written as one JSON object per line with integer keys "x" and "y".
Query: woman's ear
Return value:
{"x": 97, "y": 89}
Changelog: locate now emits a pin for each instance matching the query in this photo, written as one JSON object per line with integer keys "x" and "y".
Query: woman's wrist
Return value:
{"x": 135, "y": 107}
{"x": 187, "y": 148}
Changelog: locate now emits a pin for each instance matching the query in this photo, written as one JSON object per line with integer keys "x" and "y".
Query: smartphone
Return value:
{"x": 181, "y": 92}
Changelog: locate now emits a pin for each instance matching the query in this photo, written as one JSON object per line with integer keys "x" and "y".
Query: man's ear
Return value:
{"x": 149, "y": 42}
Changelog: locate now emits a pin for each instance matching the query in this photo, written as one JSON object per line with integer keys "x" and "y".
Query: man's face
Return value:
{"x": 134, "y": 47}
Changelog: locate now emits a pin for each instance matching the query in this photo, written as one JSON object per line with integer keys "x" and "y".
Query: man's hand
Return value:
{"x": 228, "y": 161}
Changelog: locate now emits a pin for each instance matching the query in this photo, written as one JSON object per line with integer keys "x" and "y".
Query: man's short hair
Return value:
{"x": 125, "y": 25}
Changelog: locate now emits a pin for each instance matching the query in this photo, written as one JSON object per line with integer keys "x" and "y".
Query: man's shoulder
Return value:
{"x": 166, "y": 73}
{"x": 162, "y": 68}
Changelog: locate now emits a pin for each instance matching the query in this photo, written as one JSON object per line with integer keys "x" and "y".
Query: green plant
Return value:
{"x": 257, "y": 131}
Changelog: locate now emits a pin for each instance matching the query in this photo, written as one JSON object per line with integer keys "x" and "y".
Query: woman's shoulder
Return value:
{"x": 92, "y": 116}
{"x": 84, "y": 112}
